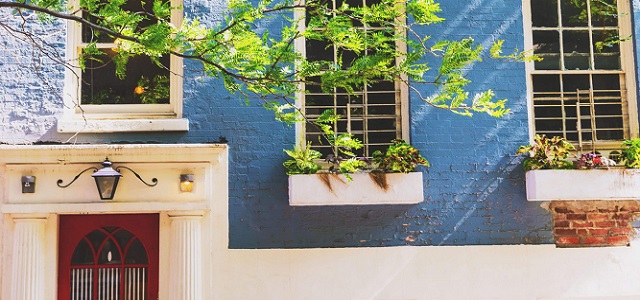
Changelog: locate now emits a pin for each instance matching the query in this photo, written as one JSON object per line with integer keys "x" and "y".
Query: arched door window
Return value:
{"x": 110, "y": 261}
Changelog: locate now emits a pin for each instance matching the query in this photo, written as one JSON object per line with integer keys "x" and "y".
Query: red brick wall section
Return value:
{"x": 593, "y": 223}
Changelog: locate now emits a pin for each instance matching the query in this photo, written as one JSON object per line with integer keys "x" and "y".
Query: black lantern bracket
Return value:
{"x": 107, "y": 179}
{"x": 153, "y": 180}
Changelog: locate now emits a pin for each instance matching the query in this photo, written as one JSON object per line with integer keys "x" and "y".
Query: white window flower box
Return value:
{"x": 313, "y": 189}
{"x": 596, "y": 184}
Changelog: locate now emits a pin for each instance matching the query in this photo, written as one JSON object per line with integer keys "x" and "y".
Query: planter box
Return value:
{"x": 311, "y": 190}
{"x": 598, "y": 184}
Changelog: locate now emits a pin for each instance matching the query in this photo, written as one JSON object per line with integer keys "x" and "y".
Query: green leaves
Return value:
{"x": 260, "y": 64}
{"x": 631, "y": 153}
{"x": 399, "y": 157}
{"x": 547, "y": 153}
{"x": 302, "y": 160}
{"x": 343, "y": 143}
{"x": 424, "y": 11}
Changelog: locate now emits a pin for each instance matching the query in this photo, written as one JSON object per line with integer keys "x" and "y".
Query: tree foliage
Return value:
{"x": 253, "y": 61}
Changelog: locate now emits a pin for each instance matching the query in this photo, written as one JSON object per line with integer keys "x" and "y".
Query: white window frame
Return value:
{"x": 401, "y": 88}
{"x": 119, "y": 117}
{"x": 627, "y": 68}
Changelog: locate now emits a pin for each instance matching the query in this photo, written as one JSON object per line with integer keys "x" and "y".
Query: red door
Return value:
{"x": 108, "y": 257}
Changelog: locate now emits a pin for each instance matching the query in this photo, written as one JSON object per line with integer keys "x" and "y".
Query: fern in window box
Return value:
{"x": 399, "y": 157}
{"x": 302, "y": 161}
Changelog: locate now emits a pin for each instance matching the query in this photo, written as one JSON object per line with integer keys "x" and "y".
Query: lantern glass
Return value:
{"x": 107, "y": 186}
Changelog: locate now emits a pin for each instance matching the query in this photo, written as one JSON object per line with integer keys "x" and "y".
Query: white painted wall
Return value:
{"x": 470, "y": 272}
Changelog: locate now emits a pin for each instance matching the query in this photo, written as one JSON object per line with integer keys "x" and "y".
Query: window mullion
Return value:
{"x": 592, "y": 60}
{"x": 560, "y": 35}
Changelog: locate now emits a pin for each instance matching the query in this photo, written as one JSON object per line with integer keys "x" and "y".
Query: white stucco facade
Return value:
{"x": 30, "y": 232}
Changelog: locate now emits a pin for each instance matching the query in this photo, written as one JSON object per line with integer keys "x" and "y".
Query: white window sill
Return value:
{"x": 121, "y": 125}
{"x": 599, "y": 184}
{"x": 312, "y": 190}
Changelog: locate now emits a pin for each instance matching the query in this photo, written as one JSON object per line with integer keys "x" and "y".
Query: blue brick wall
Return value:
{"x": 474, "y": 191}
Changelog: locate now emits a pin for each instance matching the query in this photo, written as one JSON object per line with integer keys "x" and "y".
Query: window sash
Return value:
{"x": 116, "y": 111}
{"x": 355, "y": 114}
{"x": 573, "y": 127}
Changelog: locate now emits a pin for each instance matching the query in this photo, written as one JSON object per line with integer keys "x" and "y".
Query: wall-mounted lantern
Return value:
{"x": 28, "y": 184}
{"x": 107, "y": 179}
{"x": 186, "y": 182}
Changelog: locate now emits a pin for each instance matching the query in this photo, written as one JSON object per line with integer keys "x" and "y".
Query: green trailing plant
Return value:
{"x": 631, "y": 153}
{"x": 302, "y": 161}
{"x": 547, "y": 153}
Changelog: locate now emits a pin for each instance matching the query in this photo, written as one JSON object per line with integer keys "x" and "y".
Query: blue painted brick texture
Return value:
{"x": 474, "y": 190}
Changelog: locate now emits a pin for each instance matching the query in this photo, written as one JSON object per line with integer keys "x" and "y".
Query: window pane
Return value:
{"x": 348, "y": 58}
{"x": 357, "y": 125}
{"x": 89, "y": 35}
{"x": 381, "y": 110}
{"x": 546, "y": 83}
{"x": 607, "y": 55}
{"x": 607, "y": 82}
{"x": 604, "y": 13}
{"x": 144, "y": 82}
{"x": 381, "y": 124}
{"x": 382, "y": 86}
{"x": 381, "y": 137}
{"x": 545, "y": 41}
{"x": 319, "y": 50}
{"x": 545, "y": 111}
{"x": 312, "y": 84}
{"x": 319, "y": 101}
{"x": 549, "y": 125}
{"x": 356, "y": 112}
{"x": 574, "y": 13}
{"x": 544, "y": 13}
{"x": 546, "y": 44}
{"x": 575, "y": 82}
{"x": 375, "y": 98}
{"x": 576, "y": 50}
{"x": 351, "y": 3}
{"x": 614, "y": 135}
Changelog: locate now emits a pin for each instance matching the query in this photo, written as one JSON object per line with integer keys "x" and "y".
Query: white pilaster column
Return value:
{"x": 185, "y": 266}
{"x": 27, "y": 273}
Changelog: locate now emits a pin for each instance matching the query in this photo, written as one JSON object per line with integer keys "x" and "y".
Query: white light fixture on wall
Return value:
{"x": 107, "y": 179}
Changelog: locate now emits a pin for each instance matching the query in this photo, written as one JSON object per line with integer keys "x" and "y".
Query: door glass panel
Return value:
{"x": 117, "y": 278}
{"x": 83, "y": 254}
